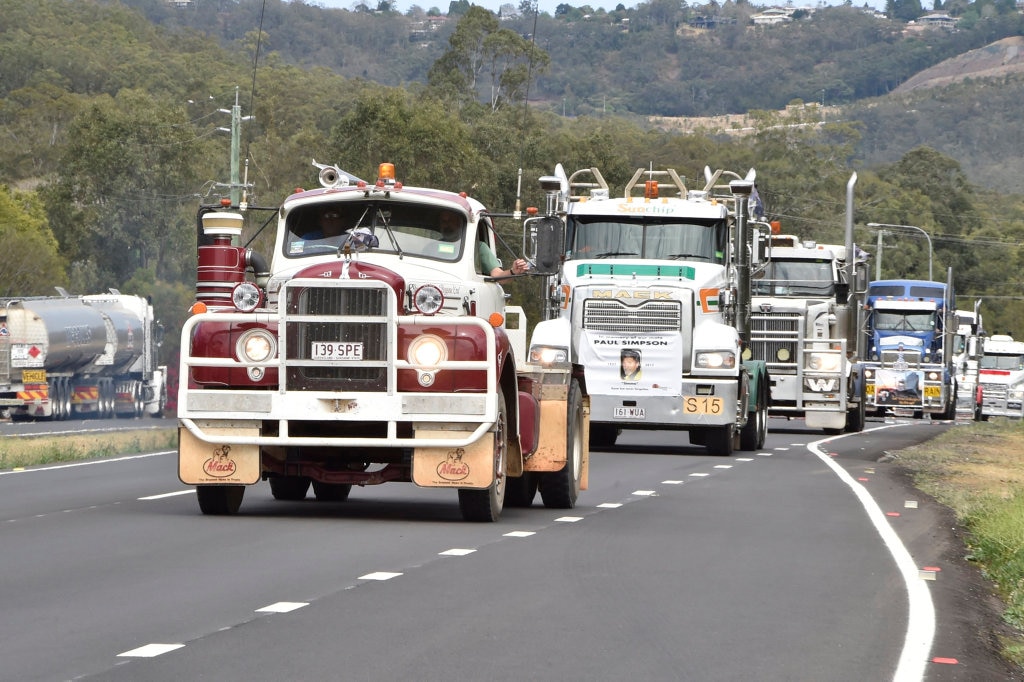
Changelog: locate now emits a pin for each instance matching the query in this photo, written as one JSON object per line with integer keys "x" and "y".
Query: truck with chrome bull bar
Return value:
{"x": 379, "y": 354}
{"x": 649, "y": 300}
{"x": 909, "y": 330}
{"x": 1001, "y": 373}
{"x": 805, "y": 310}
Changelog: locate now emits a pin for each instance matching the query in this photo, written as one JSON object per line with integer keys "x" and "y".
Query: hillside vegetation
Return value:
{"x": 111, "y": 116}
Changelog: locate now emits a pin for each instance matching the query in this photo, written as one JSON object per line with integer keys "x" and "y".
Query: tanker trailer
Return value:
{"x": 43, "y": 343}
{"x": 79, "y": 355}
{"x": 130, "y": 364}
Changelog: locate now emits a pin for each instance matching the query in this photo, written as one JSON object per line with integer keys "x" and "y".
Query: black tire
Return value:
{"x": 220, "y": 500}
{"x": 289, "y": 488}
{"x": 719, "y": 440}
{"x": 755, "y": 431}
{"x": 950, "y": 412}
{"x": 331, "y": 492}
{"x": 603, "y": 435}
{"x": 561, "y": 489}
{"x": 856, "y": 417}
{"x": 520, "y": 491}
{"x": 486, "y": 505}
{"x": 139, "y": 400}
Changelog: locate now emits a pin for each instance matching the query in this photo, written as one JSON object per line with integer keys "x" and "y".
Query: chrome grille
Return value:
{"x": 614, "y": 316}
{"x": 994, "y": 391}
{"x": 772, "y": 333}
{"x": 365, "y": 303}
{"x": 912, "y": 358}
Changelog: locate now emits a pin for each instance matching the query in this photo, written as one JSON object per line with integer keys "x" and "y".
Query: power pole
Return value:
{"x": 236, "y": 185}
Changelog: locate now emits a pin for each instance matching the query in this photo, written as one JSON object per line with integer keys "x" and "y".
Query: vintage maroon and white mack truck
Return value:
{"x": 378, "y": 355}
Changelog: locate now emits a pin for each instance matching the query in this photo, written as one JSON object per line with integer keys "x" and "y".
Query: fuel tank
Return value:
{"x": 55, "y": 334}
{"x": 70, "y": 335}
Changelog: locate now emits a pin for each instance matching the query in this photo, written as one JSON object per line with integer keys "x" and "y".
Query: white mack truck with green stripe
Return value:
{"x": 650, "y": 302}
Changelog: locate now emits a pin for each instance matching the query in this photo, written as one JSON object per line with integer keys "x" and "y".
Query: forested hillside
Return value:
{"x": 112, "y": 130}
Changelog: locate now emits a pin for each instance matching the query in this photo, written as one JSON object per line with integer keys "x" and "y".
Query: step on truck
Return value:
{"x": 909, "y": 330}
{"x": 649, "y": 300}
{"x": 807, "y": 298}
{"x": 381, "y": 354}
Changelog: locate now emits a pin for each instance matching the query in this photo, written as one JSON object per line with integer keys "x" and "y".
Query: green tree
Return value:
{"x": 31, "y": 265}
{"x": 485, "y": 60}
{"x": 119, "y": 194}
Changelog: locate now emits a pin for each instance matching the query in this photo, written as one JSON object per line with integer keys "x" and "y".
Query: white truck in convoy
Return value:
{"x": 649, "y": 300}
{"x": 1001, "y": 373}
{"x": 968, "y": 345}
{"x": 80, "y": 356}
{"x": 378, "y": 353}
{"x": 807, "y": 299}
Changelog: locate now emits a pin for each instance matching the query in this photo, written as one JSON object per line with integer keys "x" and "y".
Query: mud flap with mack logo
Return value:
{"x": 203, "y": 463}
{"x": 468, "y": 466}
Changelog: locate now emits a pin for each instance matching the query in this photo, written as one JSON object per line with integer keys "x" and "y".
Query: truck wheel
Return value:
{"x": 603, "y": 435}
{"x": 950, "y": 412}
{"x": 756, "y": 430}
{"x": 289, "y": 488}
{"x": 855, "y": 418}
{"x": 220, "y": 500}
{"x": 331, "y": 492}
{"x": 560, "y": 489}
{"x": 139, "y": 400}
{"x": 485, "y": 505}
{"x": 519, "y": 492}
{"x": 719, "y": 440}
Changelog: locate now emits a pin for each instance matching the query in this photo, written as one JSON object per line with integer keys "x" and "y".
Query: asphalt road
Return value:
{"x": 674, "y": 566}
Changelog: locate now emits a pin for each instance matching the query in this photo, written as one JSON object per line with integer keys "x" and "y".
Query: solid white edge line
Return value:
{"x": 89, "y": 463}
{"x": 920, "y": 610}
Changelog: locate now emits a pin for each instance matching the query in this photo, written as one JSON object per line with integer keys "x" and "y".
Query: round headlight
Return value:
{"x": 427, "y": 351}
{"x": 783, "y": 355}
{"x": 828, "y": 362}
{"x": 428, "y": 299}
{"x": 246, "y": 297}
{"x": 547, "y": 355}
{"x": 256, "y": 345}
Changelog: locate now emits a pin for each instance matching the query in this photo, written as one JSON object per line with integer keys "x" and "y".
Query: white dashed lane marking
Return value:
{"x": 282, "y": 607}
{"x": 151, "y": 650}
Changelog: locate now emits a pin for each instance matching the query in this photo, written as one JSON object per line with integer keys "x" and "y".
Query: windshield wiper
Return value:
{"x": 616, "y": 253}
{"x": 677, "y": 256}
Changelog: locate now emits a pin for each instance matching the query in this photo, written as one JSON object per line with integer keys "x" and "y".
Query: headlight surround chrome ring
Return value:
{"x": 428, "y": 299}
{"x": 256, "y": 345}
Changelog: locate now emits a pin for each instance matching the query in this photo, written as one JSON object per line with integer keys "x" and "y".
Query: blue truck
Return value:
{"x": 909, "y": 327}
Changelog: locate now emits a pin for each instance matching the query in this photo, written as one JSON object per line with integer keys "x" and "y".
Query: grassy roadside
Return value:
{"x": 977, "y": 470}
{"x": 29, "y": 450}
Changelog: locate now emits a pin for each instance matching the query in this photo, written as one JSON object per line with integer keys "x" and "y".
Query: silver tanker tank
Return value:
{"x": 126, "y": 335}
{"x": 55, "y": 334}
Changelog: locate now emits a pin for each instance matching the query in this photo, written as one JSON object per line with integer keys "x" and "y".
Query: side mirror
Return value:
{"x": 842, "y": 292}
{"x": 548, "y": 242}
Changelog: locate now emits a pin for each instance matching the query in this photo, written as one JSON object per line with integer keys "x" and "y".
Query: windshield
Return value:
{"x": 795, "y": 278}
{"x": 905, "y": 322}
{"x": 1010, "y": 362}
{"x": 647, "y": 237}
{"x": 389, "y": 227}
